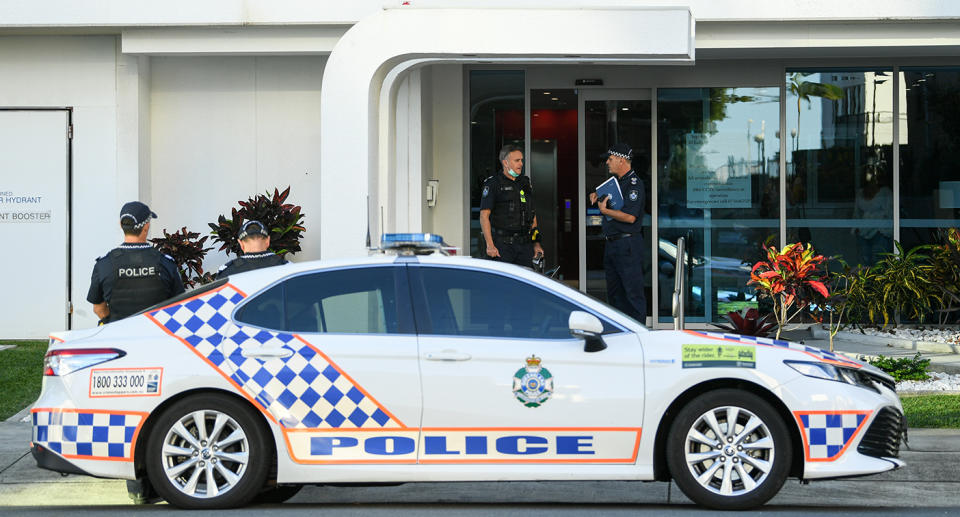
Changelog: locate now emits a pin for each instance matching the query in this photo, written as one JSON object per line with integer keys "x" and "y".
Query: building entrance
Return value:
{"x": 570, "y": 130}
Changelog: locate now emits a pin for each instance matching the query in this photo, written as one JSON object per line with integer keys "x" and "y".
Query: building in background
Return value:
{"x": 829, "y": 124}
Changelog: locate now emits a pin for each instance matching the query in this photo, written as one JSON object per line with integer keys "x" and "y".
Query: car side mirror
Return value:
{"x": 587, "y": 326}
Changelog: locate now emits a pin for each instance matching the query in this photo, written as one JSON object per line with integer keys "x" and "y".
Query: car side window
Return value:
{"x": 355, "y": 301}
{"x": 475, "y": 303}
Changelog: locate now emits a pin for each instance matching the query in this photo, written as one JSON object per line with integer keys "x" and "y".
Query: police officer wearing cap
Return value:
{"x": 255, "y": 243}
{"x": 622, "y": 231}
{"x": 134, "y": 275}
{"x": 507, "y": 217}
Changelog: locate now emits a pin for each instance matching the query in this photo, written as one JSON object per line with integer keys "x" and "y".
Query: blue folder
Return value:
{"x": 611, "y": 188}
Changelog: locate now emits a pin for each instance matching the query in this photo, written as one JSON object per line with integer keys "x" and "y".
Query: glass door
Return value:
{"x": 606, "y": 117}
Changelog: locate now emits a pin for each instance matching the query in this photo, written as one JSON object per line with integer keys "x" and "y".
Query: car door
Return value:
{"x": 351, "y": 386}
{"x": 504, "y": 382}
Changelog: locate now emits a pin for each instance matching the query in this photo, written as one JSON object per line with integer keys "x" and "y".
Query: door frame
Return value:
{"x": 609, "y": 94}
{"x": 68, "y": 136}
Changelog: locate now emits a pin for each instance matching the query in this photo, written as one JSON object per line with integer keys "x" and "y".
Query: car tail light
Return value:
{"x": 62, "y": 362}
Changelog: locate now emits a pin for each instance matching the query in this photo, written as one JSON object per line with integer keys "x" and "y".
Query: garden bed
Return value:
{"x": 938, "y": 341}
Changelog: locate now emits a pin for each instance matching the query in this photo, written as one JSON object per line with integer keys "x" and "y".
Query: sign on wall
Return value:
{"x": 34, "y": 176}
{"x": 707, "y": 188}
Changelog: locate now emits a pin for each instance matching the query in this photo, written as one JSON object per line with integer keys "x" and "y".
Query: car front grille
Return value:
{"x": 883, "y": 437}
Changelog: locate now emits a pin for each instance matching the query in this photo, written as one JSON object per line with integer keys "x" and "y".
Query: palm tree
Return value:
{"x": 804, "y": 90}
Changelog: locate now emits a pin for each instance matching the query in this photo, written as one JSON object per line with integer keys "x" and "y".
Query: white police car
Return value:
{"x": 424, "y": 367}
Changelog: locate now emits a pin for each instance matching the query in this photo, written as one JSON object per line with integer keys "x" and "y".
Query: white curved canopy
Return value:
{"x": 355, "y": 72}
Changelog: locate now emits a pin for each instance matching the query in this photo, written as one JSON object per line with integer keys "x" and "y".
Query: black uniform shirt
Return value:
{"x": 633, "y": 202}
{"x": 249, "y": 262}
{"x": 103, "y": 278}
{"x": 510, "y": 202}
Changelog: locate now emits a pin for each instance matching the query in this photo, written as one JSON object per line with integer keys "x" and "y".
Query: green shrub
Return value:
{"x": 186, "y": 249}
{"x": 283, "y": 220}
{"x": 905, "y": 284}
{"x": 903, "y": 368}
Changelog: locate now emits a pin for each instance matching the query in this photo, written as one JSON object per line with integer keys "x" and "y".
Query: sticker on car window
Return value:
{"x": 125, "y": 382}
{"x": 719, "y": 356}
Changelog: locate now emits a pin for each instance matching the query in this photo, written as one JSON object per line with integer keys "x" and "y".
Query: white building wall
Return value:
{"x": 225, "y": 128}
{"x": 78, "y": 72}
{"x": 449, "y": 151}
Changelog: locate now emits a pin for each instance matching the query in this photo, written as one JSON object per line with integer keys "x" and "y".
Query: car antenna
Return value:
{"x": 368, "y": 221}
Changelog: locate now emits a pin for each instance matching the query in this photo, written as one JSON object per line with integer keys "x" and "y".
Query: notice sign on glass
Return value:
{"x": 708, "y": 188}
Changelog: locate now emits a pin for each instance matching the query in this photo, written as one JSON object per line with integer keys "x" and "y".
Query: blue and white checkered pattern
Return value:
{"x": 828, "y": 433}
{"x": 301, "y": 391}
{"x": 754, "y": 340}
{"x": 91, "y": 434}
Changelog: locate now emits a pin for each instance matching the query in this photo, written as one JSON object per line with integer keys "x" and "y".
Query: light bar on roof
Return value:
{"x": 407, "y": 240}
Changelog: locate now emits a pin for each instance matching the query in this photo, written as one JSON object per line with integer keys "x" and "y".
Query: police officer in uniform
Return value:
{"x": 255, "y": 243}
{"x": 134, "y": 275}
{"x": 622, "y": 231}
{"x": 507, "y": 217}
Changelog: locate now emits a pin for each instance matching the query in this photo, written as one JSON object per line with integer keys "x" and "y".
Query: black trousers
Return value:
{"x": 515, "y": 252}
{"x": 623, "y": 266}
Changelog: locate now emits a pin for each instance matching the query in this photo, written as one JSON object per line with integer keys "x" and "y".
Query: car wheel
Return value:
{"x": 208, "y": 451}
{"x": 729, "y": 450}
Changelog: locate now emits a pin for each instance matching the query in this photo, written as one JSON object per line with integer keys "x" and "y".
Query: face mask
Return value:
{"x": 512, "y": 173}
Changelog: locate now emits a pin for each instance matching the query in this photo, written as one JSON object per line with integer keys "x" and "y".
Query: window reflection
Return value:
{"x": 718, "y": 169}
{"x": 929, "y": 147}
{"x": 839, "y": 168}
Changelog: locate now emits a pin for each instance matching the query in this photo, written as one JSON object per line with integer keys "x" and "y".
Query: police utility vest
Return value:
{"x": 513, "y": 204}
{"x": 138, "y": 283}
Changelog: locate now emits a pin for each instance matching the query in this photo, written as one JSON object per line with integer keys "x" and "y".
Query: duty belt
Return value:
{"x": 616, "y": 237}
{"x": 511, "y": 237}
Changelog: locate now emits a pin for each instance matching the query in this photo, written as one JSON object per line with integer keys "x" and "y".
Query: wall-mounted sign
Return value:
{"x": 19, "y": 208}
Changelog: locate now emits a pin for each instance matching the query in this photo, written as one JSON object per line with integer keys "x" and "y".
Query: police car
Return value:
{"x": 416, "y": 366}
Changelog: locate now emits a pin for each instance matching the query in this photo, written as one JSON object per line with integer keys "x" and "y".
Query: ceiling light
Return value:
{"x": 554, "y": 98}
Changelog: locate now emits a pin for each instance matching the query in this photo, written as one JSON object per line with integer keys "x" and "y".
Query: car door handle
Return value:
{"x": 266, "y": 353}
{"x": 446, "y": 355}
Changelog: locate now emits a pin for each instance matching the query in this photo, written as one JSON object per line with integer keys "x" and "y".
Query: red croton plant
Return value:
{"x": 792, "y": 278}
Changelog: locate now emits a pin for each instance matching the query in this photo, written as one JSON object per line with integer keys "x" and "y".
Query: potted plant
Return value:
{"x": 284, "y": 221}
{"x": 747, "y": 322}
{"x": 791, "y": 278}
{"x": 186, "y": 249}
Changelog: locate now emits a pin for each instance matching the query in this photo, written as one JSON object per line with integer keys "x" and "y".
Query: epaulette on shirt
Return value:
{"x": 225, "y": 266}
{"x": 169, "y": 257}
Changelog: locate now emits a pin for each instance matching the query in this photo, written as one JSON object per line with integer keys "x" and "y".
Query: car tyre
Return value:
{"x": 729, "y": 450}
{"x": 208, "y": 451}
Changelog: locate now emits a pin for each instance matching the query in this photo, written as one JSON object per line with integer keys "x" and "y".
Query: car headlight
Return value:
{"x": 832, "y": 372}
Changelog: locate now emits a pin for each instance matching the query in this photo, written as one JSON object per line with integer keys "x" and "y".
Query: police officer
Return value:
{"x": 255, "y": 243}
{"x": 507, "y": 217}
{"x": 622, "y": 231}
{"x": 134, "y": 275}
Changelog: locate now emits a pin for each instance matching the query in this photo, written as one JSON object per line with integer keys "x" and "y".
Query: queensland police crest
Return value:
{"x": 533, "y": 384}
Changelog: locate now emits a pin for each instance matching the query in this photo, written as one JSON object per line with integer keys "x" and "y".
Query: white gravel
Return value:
{"x": 934, "y": 335}
{"x": 937, "y": 382}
